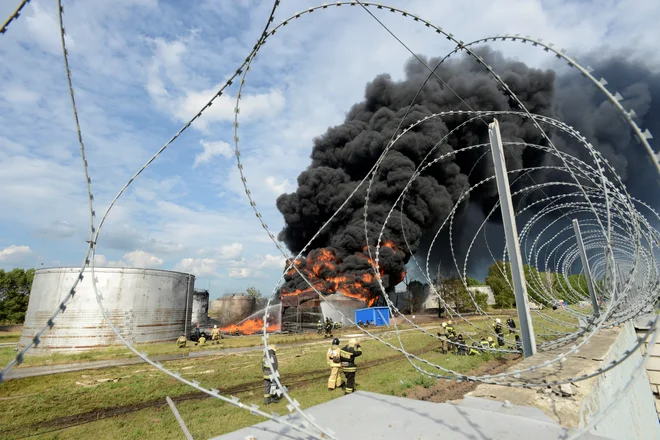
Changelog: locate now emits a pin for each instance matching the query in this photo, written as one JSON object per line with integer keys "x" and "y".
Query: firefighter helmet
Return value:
{"x": 273, "y": 347}
{"x": 444, "y": 324}
{"x": 490, "y": 339}
{"x": 498, "y": 320}
{"x": 335, "y": 341}
{"x": 352, "y": 342}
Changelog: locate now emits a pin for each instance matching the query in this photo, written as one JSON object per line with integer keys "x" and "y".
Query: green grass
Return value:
{"x": 56, "y": 396}
{"x": 6, "y": 337}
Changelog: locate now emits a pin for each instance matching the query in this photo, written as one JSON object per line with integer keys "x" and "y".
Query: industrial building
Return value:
{"x": 146, "y": 305}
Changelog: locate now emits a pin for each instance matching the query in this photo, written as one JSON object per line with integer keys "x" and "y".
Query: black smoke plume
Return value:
{"x": 343, "y": 155}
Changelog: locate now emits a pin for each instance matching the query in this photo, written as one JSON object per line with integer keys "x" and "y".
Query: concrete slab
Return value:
{"x": 562, "y": 409}
{"x": 365, "y": 415}
{"x": 504, "y": 408}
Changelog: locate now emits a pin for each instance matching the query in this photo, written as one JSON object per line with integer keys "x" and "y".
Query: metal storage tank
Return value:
{"x": 146, "y": 305}
{"x": 231, "y": 309}
{"x": 200, "y": 307}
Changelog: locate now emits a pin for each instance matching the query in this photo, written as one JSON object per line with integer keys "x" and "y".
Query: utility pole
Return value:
{"x": 512, "y": 242}
{"x": 585, "y": 268}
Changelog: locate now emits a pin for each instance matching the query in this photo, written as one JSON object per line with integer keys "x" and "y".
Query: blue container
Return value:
{"x": 377, "y": 315}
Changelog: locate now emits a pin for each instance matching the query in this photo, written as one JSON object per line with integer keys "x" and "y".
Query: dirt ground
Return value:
{"x": 444, "y": 391}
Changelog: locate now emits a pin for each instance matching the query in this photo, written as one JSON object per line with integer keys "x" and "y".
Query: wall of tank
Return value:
{"x": 145, "y": 305}
{"x": 337, "y": 303}
{"x": 200, "y": 307}
{"x": 231, "y": 309}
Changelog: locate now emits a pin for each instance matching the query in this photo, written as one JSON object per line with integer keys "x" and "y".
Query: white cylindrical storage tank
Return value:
{"x": 146, "y": 305}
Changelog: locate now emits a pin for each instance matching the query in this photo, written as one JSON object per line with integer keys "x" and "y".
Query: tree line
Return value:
{"x": 544, "y": 288}
{"x": 15, "y": 288}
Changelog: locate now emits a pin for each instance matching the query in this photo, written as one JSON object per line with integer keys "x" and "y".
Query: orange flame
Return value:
{"x": 358, "y": 286}
{"x": 250, "y": 327}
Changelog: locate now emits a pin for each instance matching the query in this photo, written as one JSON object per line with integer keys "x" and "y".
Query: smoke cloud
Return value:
{"x": 343, "y": 155}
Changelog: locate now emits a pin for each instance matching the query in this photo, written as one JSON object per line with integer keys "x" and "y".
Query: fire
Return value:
{"x": 320, "y": 268}
{"x": 250, "y": 327}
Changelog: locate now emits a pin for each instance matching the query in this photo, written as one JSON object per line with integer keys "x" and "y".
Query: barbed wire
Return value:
{"x": 612, "y": 223}
{"x": 13, "y": 16}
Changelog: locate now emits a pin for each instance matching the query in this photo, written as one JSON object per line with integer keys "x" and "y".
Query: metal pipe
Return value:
{"x": 512, "y": 243}
{"x": 185, "y": 324}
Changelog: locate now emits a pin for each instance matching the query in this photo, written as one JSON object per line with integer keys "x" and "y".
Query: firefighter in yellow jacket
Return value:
{"x": 270, "y": 393}
{"x": 334, "y": 362}
{"x": 215, "y": 335}
{"x": 347, "y": 356}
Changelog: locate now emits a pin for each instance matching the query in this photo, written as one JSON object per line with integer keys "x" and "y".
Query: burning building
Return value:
{"x": 348, "y": 281}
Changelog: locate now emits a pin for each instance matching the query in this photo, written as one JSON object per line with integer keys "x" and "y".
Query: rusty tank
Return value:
{"x": 146, "y": 305}
{"x": 231, "y": 309}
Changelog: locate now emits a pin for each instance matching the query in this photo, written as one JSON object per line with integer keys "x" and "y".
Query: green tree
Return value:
{"x": 473, "y": 282}
{"x": 253, "y": 292}
{"x": 454, "y": 293}
{"x": 416, "y": 295}
{"x": 504, "y": 297}
{"x": 15, "y": 288}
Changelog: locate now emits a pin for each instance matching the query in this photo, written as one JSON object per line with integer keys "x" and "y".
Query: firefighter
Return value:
{"x": 270, "y": 389}
{"x": 462, "y": 348}
{"x": 484, "y": 344}
{"x": 334, "y": 362}
{"x": 453, "y": 343}
{"x": 499, "y": 332}
{"x": 181, "y": 342}
{"x": 444, "y": 344}
{"x": 319, "y": 327}
{"x": 328, "y": 328}
{"x": 450, "y": 328}
{"x": 215, "y": 335}
{"x": 474, "y": 349}
{"x": 202, "y": 340}
{"x": 491, "y": 343}
{"x": 347, "y": 356}
{"x": 196, "y": 334}
{"x": 511, "y": 324}
{"x": 519, "y": 346}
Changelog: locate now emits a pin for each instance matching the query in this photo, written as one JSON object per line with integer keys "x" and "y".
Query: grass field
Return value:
{"x": 129, "y": 402}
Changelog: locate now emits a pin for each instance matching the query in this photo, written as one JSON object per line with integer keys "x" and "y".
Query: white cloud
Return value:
{"x": 211, "y": 150}
{"x": 273, "y": 261}
{"x": 14, "y": 254}
{"x": 142, "y": 259}
{"x": 255, "y": 106}
{"x": 199, "y": 266}
{"x": 277, "y": 188}
{"x": 240, "y": 272}
{"x": 139, "y": 259}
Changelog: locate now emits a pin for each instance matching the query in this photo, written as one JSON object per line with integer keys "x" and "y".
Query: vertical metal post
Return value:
{"x": 512, "y": 243}
{"x": 185, "y": 321}
{"x": 178, "y": 418}
{"x": 585, "y": 268}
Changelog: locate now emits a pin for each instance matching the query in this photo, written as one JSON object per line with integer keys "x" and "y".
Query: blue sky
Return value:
{"x": 142, "y": 68}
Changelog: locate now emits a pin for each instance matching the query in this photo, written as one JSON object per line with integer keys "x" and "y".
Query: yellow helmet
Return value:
{"x": 272, "y": 347}
{"x": 490, "y": 339}
{"x": 449, "y": 322}
{"x": 352, "y": 342}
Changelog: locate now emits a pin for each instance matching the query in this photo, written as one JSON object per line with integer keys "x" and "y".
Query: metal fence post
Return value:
{"x": 178, "y": 418}
{"x": 512, "y": 243}
{"x": 585, "y": 268}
